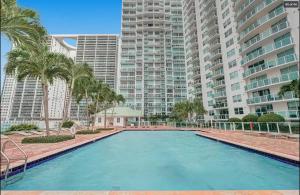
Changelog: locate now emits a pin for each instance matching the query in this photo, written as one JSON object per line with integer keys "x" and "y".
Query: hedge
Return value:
{"x": 67, "y": 124}
{"x": 23, "y": 127}
{"x": 85, "y": 132}
{"x": 271, "y": 117}
{"x": 250, "y": 118}
{"x": 47, "y": 139}
{"x": 105, "y": 129}
{"x": 234, "y": 120}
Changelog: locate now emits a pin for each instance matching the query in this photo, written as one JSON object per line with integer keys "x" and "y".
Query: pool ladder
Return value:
{"x": 6, "y": 161}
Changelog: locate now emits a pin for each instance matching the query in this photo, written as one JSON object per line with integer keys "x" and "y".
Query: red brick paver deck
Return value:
{"x": 277, "y": 146}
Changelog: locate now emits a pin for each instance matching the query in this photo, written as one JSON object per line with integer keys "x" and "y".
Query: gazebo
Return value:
{"x": 119, "y": 117}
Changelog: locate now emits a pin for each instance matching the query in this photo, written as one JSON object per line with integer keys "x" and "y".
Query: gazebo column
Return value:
{"x": 139, "y": 121}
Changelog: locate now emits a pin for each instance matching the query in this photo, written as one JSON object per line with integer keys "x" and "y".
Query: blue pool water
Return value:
{"x": 146, "y": 160}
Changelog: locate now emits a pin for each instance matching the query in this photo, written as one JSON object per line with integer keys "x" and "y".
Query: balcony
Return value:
{"x": 285, "y": 78}
{"x": 264, "y": 35}
{"x": 290, "y": 114}
{"x": 221, "y": 117}
{"x": 259, "y": 23}
{"x": 216, "y": 64}
{"x": 218, "y": 73}
{"x": 218, "y": 84}
{"x": 220, "y": 94}
{"x": 220, "y": 105}
{"x": 267, "y": 49}
{"x": 270, "y": 65}
{"x": 271, "y": 98}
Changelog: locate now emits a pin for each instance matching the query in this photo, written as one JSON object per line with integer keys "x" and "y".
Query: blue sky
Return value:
{"x": 72, "y": 17}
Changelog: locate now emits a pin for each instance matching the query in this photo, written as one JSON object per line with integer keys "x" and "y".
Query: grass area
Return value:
{"x": 47, "y": 139}
{"x": 85, "y": 132}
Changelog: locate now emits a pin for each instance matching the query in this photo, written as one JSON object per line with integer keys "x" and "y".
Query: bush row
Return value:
{"x": 67, "y": 124}
{"x": 47, "y": 139}
{"x": 85, "y": 132}
{"x": 23, "y": 127}
{"x": 266, "y": 118}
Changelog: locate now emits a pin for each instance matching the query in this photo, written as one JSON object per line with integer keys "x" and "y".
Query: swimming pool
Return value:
{"x": 164, "y": 160}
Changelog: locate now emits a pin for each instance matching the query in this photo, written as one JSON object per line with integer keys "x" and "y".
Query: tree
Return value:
{"x": 294, "y": 86}
{"x": 41, "y": 64}
{"x": 83, "y": 89}
{"x": 96, "y": 97}
{"x": 117, "y": 99}
{"x": 21, "y": 26}
{"x": 186, "y": 109}
{"x": 75, "y": 72}
{"x": 198, "y": 107}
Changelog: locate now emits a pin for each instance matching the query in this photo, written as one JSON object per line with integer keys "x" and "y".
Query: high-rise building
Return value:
{"x": 193, "y": 74}
{"x": 248, "y": 50}
{"x": 152, "y": 66}
{"x": 22, "y": 100}
{"x": 269, "y": 51}
{"x": 101, "y": 53}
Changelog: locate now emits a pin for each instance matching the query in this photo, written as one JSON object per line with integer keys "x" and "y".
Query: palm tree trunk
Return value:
{"x": 105, "y": 118}
{"x": 95, "y": 114}
{"x": 45, "y": 102}
{"x": 86, "y": 109}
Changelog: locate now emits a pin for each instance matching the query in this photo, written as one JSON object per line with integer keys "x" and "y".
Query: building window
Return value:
{"x": 225, "y": 13}
{"x": 238, "y": 110}
{"x": 232, "y": 63}
{"x": 228, "y": 32}
{"x": 211, "y": 113}
{"x": 99, "y": 119}
{"x": 237, "y": 98}
{"x": 233, "y": 75}
{"x": 230, "y": 53}
{"x": 118, "y": 120}
{"x": 229, "y": 43}
{"x": 235, "y": 86}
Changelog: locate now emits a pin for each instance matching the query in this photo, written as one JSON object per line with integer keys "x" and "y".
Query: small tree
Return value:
{"x": 271, "y": 117}
{"x": 250, "y": 118}
{"x": 234, "y": 120}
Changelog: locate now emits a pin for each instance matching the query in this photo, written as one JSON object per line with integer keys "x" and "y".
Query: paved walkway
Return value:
{"x": 278, "y": 146}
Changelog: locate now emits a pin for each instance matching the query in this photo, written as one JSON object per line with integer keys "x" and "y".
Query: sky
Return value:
{"x": 72, "y": 17}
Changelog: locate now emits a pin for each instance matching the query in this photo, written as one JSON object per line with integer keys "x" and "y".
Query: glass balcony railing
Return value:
{"x": 270, "y": 81}
{"x": 271, "y": 64}
{"x": 270, "y": 98}
{"x": 221, "y": 116}
{"x": 244, "y": 6}
{"x": 264, "y": 35}
{"x": 219, "y": 83}
{"x": 267, "y": 49}
{"x": 261, "y": 21}
{"x": 218, "y": 73}
{"x": 219, "y": 94}
{"x": 257, "y": 9}
{"x": 220, "y": 105}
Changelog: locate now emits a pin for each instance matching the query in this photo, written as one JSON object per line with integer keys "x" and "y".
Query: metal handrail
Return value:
{"x": 7, "y": 166}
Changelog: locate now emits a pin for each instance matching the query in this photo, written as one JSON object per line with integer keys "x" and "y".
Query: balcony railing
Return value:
{"x": 260, "y": 22}
{"x": 271, "y": 97}
{"x": 267, "y": 49}
{"x": 264, "y": 35}
{"x": 219, "y": 83}
{"x": 271, "y": 81}
{"x": 220, "y": 105}
{"x": 221, "y": 116}
{"x": 219, "y": 94}
{"x": 271, "y": 64}
{"x": 289, "y": 114}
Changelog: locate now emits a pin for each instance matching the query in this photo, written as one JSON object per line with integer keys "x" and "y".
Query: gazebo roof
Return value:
{"x": 121, "y": 111}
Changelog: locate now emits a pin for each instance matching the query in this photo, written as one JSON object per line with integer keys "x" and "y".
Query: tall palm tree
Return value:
{"x": 108, "y": 96}
{"x": 96, "y": 95}
{"x": 83, "y": 89}
{"x": 294, "y": 86}
{"x": 41, "y": 64}
{"x": 75, "y": 71}
{"x": 117, "y": 99}
{"x": 21, "y": 26}
{"x": 198, "y": 107}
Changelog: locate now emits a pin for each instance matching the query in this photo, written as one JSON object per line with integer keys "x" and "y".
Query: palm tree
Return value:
{"x": 198, "y": 107}
{"x": 294, "y": 86}
{"x": 21, "y": 26}
{"x": 43, "y": 65}
{"x": 75, "y": 72}
{"x": 186, "y": 109}
{"x": 82, "y": 90}
{"x": 96, "y": 95}
{"x": 117, "y": 99}
{"x": 108, "y": 96}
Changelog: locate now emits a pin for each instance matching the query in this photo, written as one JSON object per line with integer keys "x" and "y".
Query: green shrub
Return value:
{"x": 105, "y": 129}
{"x": 23, "y": 127}
{"x": 67, "y": 124}
{"x": 85, "y": 132}
{"x": 271, "y": 117}
{"x": 47, "y": 139}
{"x": 250, "y": 118}
{"x": 234, "y": 120}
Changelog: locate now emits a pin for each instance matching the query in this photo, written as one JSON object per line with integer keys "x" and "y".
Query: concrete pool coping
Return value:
{"x": 278, "y": 156}
{"x": 41, "y": 158}
{"x": 204, "y": 192}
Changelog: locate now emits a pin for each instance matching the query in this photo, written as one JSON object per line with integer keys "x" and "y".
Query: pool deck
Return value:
{"x": 229, "y": 192}
{"x": 288, "y": 149}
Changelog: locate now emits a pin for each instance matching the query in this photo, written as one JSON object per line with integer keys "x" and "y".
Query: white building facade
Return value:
{"x": 152, "y": 66}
